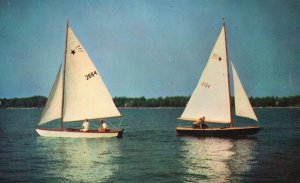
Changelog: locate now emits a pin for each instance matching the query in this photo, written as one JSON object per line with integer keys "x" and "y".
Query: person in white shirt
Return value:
{"x": 85, "y": 125}
{"x": 104, "y": 125}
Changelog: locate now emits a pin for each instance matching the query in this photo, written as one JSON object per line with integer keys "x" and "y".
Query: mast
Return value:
{"x": 63, "y": 81}
{"x": 230, "y": 107}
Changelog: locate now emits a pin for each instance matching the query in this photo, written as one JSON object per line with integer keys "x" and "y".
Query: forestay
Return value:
{"x": 211, "y": 96}
{"x": 242, "y": 105}
{"x": 86, "y": 95}
{"x": 53, "y": 106}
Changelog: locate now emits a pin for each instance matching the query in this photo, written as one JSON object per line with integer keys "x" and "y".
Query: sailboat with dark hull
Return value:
{"x": 211, "y": 98}
{"x": 78, "y": 94}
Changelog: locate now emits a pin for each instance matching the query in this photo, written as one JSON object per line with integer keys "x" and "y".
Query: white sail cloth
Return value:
{"x": 242, "y": 105}
{"x": 211, "y": 96}
{"x": 85, "y": 94}
{"x": 52, "y": 108}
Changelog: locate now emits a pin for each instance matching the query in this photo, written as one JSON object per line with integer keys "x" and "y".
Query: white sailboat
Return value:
{"x": 78, "y": 93}
{"x": 211, "y": 98}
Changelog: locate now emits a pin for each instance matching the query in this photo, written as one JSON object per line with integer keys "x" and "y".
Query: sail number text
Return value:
{"x": 205, "y": 84}
{"x": 90, "y": 75}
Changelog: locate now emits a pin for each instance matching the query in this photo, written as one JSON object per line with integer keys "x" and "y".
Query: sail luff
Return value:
{"x": 64, "y": 76}
{"x": 242, "y": 104}
{"x": 229, "y": 92}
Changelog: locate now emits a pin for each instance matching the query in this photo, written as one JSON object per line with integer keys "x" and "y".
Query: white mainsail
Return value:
{"x": 242, "y": 105}
{"x": 53, "y": 106}
{"x": 211, "y": 96}
{"x": 86, "y": 96}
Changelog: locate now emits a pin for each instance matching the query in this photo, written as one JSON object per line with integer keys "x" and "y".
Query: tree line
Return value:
{"x": 275, "y": 101}
{"x": 175, "y": 101}
{"x": 28, "y": 102}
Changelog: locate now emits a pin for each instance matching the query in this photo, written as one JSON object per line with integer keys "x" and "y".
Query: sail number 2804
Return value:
{"x": 90, "y": 75}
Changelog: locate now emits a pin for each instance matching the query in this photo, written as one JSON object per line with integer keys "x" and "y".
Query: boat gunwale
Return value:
{"x": 217, "y": 129}
{"x": 72, "y": 130}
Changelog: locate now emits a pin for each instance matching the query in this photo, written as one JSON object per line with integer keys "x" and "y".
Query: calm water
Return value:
{"x": 150, "y": 151}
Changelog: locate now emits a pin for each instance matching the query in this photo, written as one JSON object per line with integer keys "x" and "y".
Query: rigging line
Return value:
{"x": 179, "y": 122}
{"x": 110, "y": 124}
{"x": 93, "y": 125}
{"x": 121, "y": 120}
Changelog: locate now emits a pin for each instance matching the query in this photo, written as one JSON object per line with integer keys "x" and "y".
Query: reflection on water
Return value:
{"x": 150, "y": 151}
{"x": 216, "y": 159}
{"x": 79, "y": 160}
{"x": 244, "y": 158}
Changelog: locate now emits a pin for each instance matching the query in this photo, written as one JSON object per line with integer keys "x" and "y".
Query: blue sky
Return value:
{"x": 151, "y": 48}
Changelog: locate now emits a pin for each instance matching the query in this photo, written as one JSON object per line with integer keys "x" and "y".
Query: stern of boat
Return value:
{"x": 120, "y": 134}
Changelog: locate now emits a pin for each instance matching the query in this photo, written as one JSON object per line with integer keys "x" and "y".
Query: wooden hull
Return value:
{"x": 217, "y": 132}
{"x": 76, "y": 133}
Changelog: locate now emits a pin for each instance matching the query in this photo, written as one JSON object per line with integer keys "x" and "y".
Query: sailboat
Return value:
{"x": 77, "y": 94}
{"x": 211, "y": 98}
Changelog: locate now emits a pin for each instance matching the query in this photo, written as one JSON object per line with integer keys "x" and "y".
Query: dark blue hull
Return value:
{"x": 217, "y": 132}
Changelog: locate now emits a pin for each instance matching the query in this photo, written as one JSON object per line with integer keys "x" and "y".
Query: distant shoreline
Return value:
{"x": 159, "y": 102}
{"x": 279, "y": 107}
{"x": 25, "y": 108}
{"x": 22, "y": 108}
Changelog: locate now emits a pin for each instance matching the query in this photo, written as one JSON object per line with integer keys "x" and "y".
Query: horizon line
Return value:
{"x": 158, "y": 96}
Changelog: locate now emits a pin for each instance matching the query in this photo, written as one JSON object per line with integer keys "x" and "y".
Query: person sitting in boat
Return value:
{"x": 85, "y": 125}
{"x": 197, "y": 123}
{"x": 202, "y": 124}
{"x": 104, "y": 126}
